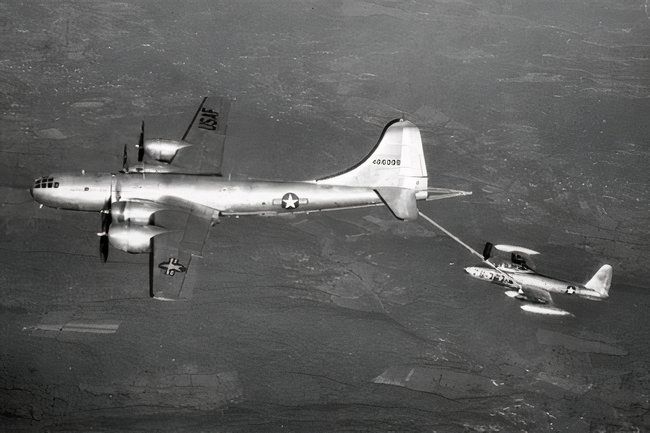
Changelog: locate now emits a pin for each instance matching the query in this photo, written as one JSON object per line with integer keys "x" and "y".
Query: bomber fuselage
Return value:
{"x": 92, "y": 192}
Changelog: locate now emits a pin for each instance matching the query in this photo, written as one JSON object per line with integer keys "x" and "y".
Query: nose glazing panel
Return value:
{"x": 45, "y": 182}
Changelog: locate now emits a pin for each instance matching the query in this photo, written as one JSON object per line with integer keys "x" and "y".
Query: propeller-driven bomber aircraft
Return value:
{"x": 165, "y": 204}
{"x": 527, "y": 285}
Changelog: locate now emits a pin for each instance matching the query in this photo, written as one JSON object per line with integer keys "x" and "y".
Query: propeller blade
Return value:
{"x": 141, "y": 143}
{"x": 107, "y": 219}
{"x": 103, "y": 247}
{"x": 106, "y": 222}
{"x": 125, "y": 160}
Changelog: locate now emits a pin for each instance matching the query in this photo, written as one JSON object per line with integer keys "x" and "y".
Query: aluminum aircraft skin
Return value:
{"x": 535, "y": 289}
{"x": 166, "y": 203}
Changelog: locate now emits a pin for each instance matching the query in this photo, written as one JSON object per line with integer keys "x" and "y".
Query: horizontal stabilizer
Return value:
{"x": 401, "y": 201}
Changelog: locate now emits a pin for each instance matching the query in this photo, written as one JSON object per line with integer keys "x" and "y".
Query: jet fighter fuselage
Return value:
{"x": 515, "y": 277}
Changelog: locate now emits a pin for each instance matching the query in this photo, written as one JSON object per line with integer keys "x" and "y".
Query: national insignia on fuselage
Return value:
{"x": 290, "y": 201}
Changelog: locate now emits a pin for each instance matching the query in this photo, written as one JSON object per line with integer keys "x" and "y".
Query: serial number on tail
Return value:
{"x": 386, "y": 161}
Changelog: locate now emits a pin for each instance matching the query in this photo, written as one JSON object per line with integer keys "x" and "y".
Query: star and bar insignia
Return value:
{"x": 172, "y": 266}
{"x": 290, "y": 201}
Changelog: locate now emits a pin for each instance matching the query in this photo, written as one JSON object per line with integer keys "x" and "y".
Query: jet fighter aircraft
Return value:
{"x": 165, "y": 204}
{"x": 527, "y": 285}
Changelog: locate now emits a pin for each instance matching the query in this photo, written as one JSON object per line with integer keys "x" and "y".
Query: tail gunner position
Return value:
{"x": 166, "y": 203}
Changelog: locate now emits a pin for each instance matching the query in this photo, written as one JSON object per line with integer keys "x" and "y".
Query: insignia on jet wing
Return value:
{"x": 290, "y": 201}
{"x": 172, "y": 266}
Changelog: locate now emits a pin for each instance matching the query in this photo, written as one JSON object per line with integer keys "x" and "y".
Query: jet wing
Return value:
{"x": 207, "y": 136}
{"x": 539, "y": 296}
{"x": 175, "y": 255}
{"x": 536, "y": 295}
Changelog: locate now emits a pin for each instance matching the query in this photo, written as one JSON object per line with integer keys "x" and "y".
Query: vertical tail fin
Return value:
{"x": 396, "y": 161}
{"x": 601, "y": 281}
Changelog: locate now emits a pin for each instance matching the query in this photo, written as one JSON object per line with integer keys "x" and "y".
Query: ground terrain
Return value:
{"x": 346, "y": 321}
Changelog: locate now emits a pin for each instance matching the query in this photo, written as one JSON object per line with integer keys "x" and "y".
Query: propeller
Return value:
{"x": 103, "y": 235}
{"x": 141, "y": 143}
{"x": 125, "y": 160}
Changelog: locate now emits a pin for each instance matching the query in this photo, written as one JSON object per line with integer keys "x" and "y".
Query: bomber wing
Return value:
{"x": 207, "y": 135}
{"x": 175, "y": 255}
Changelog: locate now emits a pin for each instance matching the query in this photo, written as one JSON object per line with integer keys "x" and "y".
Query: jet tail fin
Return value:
{"x": 601, "y": 281}
{"x": 401, "y": 201}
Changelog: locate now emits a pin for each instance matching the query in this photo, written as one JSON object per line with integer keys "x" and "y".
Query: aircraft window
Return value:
{"x": 86, "y": 188}
{"x": 56, "y": 184}
{"x": 50, "y": 184}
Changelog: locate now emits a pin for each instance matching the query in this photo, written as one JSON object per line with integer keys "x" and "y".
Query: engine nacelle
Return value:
{"x": 163, "y": 150}
{"x": 133, "y": 239}
{"x": 135, "y": 212}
